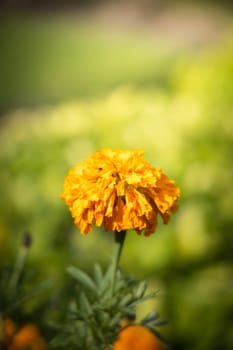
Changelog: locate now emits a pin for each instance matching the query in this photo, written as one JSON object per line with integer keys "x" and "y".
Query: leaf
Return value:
{"x": 126, "y": 300}
{"x": 152, "y": 320}
{"x": 105, "y": 281}
{"x": 85, "y": 305}
{"x": 145, "y": 298}
{"x": 159, "y": 323}
{"x": 141, "y": 289}
{"x": 152, "y": 316}
{"x": 82, "y": 278}
{"x": 115, "y": 320}
{"x": 98, "y": 274}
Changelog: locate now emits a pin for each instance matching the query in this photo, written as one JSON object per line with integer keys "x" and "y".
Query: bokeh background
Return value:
{"x": 158, "y": 75}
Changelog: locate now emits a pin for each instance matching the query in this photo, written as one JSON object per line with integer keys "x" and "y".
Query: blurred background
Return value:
{"x": 158, "y": 75}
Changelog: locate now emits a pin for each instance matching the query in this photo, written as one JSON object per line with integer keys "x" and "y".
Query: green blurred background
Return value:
{"x": 77, "y": 76}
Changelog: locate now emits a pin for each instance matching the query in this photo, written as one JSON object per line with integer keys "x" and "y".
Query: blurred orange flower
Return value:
{"x": 119, "y": 190}
{"x": 9, "y": 329}
{"x": 137, "y": 337}
{"x": 27, "y": 337}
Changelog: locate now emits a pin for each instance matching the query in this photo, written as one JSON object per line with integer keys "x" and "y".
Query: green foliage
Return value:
{"x": 94, "y": 315}
{"x": 21, "y": 301}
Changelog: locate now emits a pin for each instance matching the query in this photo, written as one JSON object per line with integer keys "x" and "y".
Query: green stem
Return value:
{"x": 23, "y": 252}
{"x": 117, "y": 249}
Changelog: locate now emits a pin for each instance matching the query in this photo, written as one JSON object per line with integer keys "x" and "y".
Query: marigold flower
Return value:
{"x": 28, "y": 337}
{"x": 119, "y": 190}
{"x": 137, "y": 337}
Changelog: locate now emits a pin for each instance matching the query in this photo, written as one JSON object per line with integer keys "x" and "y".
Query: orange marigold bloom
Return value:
{"x": 28, "y": 337}
{"x": 137, "y": 337}
{"x": 119, "y": 190}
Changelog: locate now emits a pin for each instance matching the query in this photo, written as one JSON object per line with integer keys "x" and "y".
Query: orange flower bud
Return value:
{"x": 137, "y": 337}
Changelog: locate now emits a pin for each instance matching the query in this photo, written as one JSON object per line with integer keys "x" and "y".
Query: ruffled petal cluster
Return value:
{"x": 119, "y": 190}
